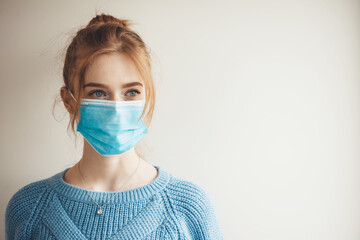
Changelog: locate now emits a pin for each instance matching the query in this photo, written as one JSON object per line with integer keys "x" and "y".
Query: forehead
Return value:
{"x": 112, "y": 67}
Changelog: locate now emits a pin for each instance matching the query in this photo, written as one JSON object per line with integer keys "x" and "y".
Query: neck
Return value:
{"x": 108, "y": 173}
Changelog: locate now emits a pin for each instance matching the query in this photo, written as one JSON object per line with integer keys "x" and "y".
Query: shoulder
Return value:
{"x": 195, "y": 209}
{"x": 26, "y": 196}
{"x": 20, "y": 208}
{"x": 188, "y": 192}
{"x": 189, "y": 198}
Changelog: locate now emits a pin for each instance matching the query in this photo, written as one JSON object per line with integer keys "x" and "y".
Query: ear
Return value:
{"x": 68, "y": 101}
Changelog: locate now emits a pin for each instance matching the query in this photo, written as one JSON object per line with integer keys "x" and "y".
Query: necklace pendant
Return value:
{"x": 99, "y": 212}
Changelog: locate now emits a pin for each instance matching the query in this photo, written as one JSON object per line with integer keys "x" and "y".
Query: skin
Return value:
{"x": 109, "y": 173}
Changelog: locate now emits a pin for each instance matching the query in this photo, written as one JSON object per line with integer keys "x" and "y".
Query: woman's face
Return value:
{"x": 113, "y": 77}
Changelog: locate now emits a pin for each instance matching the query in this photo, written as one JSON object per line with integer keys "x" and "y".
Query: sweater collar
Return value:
{"x": 65, "y": 189}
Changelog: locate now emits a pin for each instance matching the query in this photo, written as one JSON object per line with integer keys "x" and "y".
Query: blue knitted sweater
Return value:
{"x": 166, "y": 208}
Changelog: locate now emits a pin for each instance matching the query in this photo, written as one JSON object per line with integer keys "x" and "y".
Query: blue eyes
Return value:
{"x": 135, "y": 91}
{"x": 96, "y": 93}
{"x": 100, "y": 93}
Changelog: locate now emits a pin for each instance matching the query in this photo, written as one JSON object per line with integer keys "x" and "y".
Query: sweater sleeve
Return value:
{"x": 20, "y": 210}
{"x": 196, "y": 211}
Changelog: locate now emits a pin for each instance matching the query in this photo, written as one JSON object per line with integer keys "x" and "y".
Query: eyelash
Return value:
{"x": 131, "y": 90}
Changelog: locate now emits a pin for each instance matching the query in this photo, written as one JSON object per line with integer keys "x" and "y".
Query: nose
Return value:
{"x": 116, "y": 97}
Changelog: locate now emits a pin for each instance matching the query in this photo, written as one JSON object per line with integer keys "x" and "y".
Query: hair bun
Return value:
{"x": 104, "y": 18}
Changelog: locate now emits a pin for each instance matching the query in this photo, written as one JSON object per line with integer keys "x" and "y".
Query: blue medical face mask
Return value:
{"x": 111, "y": 127}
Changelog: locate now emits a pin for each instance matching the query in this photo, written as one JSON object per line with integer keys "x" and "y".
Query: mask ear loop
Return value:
{"x": 71, "y": 95}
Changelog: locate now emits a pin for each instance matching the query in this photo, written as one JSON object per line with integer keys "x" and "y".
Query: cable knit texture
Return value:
{"x": 166, "y": 208}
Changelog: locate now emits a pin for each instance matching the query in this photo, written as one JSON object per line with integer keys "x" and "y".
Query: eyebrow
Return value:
{"x": 126, "y": 85}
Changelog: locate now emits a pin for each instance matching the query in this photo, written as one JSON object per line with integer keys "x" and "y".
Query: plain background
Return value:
{"x": 257, "y": 102}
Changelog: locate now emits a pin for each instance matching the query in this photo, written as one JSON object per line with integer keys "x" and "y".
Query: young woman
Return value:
{"x": 111, "y": 193}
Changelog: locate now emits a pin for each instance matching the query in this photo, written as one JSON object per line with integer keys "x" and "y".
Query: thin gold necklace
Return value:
{"x": 99, "y": 211}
